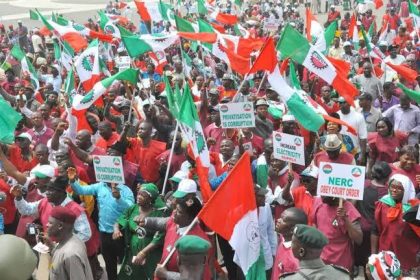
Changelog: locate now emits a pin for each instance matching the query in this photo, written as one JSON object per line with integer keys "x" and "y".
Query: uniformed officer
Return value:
{"x": 192, "y": 254}
{"x": 307, "y": 244}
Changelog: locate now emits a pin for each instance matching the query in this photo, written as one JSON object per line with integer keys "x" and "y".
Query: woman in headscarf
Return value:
{"x": 143, "y": 248}
{"x": 374, "y": 189}
{"x": 391, "y": 232}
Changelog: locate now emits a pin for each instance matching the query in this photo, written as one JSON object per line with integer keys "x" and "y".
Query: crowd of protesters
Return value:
{"x": 49, "y": 192}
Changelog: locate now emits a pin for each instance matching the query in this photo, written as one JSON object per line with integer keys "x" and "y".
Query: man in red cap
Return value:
{"x": 69, "y": 257}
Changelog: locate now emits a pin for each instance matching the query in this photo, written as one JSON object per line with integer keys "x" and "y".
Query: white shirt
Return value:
{"x": 37, "y": 43}
{"x": 267, "y": 234}
{"x": 390, "y": 74}
{"x": 357, "y": 121}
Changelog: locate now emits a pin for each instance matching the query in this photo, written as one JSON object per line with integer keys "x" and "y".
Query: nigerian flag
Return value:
{"x": 413, "y": 94}
{"x": 138, "y": 45}
{"x": 108, "y": 25}
{"x": 297, "y": 105}
{"x": 173, "y": 99}
{"x": 9, "y": 119}
{"x": 26, "y": 65}
{"x": 324, "y": 41}
{"x": 414, "y": 13}
{"x": 81, "y": 102}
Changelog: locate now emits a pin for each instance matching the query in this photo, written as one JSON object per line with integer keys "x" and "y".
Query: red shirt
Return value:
{"x": 7, "y": 208}
{"x": 396, "y": 236}
{"x": 176, "y": 161}
{"x": 90, "y": 172}
{"x": 15, "y": 156}
{"x": 104, "y": 144}
{"x": 339, "y": 250}
{"x": 285, "y": 261}
{"x": 145, "y": 157}
{"x": 303, "y": 200}
{"x": 172, "y": 236}
{"x": 410, "y": 174}
{"x": 344, "y": 158}
{"x": 385, "y": 148}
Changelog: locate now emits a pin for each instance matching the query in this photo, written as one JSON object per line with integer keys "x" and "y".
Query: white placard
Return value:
{"x": 418, "y": 214}
{"x": 237, "y": 115}
{"x": 122, "y": 62}
{"x": 341, "y": 180}
{"x": 289, "y": 148}
{"x": 109, "y": 169}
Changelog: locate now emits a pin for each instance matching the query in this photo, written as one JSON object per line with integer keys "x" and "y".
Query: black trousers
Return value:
{"x": 111, "y": 251}
{"x": 234, "y": 271}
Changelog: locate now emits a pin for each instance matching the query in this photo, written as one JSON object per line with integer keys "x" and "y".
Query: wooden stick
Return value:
{"x": 340, "y": 203}
{"x": 170, "y": 159}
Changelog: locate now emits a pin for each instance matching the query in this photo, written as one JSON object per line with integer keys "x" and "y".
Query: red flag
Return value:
{"x": 205, "y": 37}
{"x": 234, "y": 198}
{"x": 267, "y": 60}
{"x": 343, "y": 67}
{"x": 404, "y": 71}
{"x": 284, "y": 65}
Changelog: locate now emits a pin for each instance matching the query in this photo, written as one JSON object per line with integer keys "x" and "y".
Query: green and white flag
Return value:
{"x": 81, "y": 102}
{"x": 302, "y": 110}
{"x": 201, "y": 7}
{"x": 323, "y": 43}
{"x": 64, "y": 56}
{"x": 413, "y": 94}
{"x": 414, "y": 13}
{"x": 138, "y": 45}
{"x": 188, "y": 116}
{"x": 172, "y": 99}
{"x": 187, "y": 63}
{"x": 108, "y": 25}
{"x": 9, "y": 119}
{"x": 26, "y": 65}
{"x": 292, "y": 44}
{"x": 184, "y": 25}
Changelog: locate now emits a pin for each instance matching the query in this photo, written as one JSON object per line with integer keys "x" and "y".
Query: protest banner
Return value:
{"x": 289, "y": 148}
{"x": 237, "y": 115}
{"x": 108, "y": 169}
{"x": 122, "y": 62}
{"x": 341, "y": 180}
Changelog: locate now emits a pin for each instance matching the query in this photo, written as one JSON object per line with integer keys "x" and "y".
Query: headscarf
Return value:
{"x": 409, "y": 193}
{"x": 384, "y": 266}
{"x": 153, "y": 192}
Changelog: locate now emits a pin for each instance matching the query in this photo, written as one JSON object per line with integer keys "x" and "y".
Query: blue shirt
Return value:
{"x": 109, "y": 207}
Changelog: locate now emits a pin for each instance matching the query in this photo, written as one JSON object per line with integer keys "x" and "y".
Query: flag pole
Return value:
{"x": 170, "y": 158}
{"x": 168, "y": 257}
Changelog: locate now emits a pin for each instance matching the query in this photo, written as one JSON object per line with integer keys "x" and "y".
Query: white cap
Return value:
{"x": 185, "y": 187}
{"x": 25, "y": 134}
{"x": 43, "y": 171}
{"x": 179, "y": 176}
{"x": 346, "y": 44}
{"x": 310, "y": 171}
{"x": 288, "y": 118}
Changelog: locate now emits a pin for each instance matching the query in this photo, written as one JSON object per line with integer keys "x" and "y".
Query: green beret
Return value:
{"x": 192, "y": 244}
{"x": 310, "y": 237}
{"x": 151, "y": 190}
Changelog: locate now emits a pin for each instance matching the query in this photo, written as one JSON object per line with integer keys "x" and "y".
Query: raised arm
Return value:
{"x": 11, "y": 170}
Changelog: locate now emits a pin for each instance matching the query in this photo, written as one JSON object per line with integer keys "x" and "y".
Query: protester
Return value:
{"x": 148, "y": 103}
{"x": 143, "y": 250}
{"x": 69, "y": 259}
{"x": 307, "y": 245}
{"x": 390, "y": 232}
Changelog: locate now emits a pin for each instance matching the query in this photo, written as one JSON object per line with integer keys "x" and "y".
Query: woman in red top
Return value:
{"x": 384, "y": 144}
{"x": 390, "y": 232}
{"x": 407, "y": 165}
